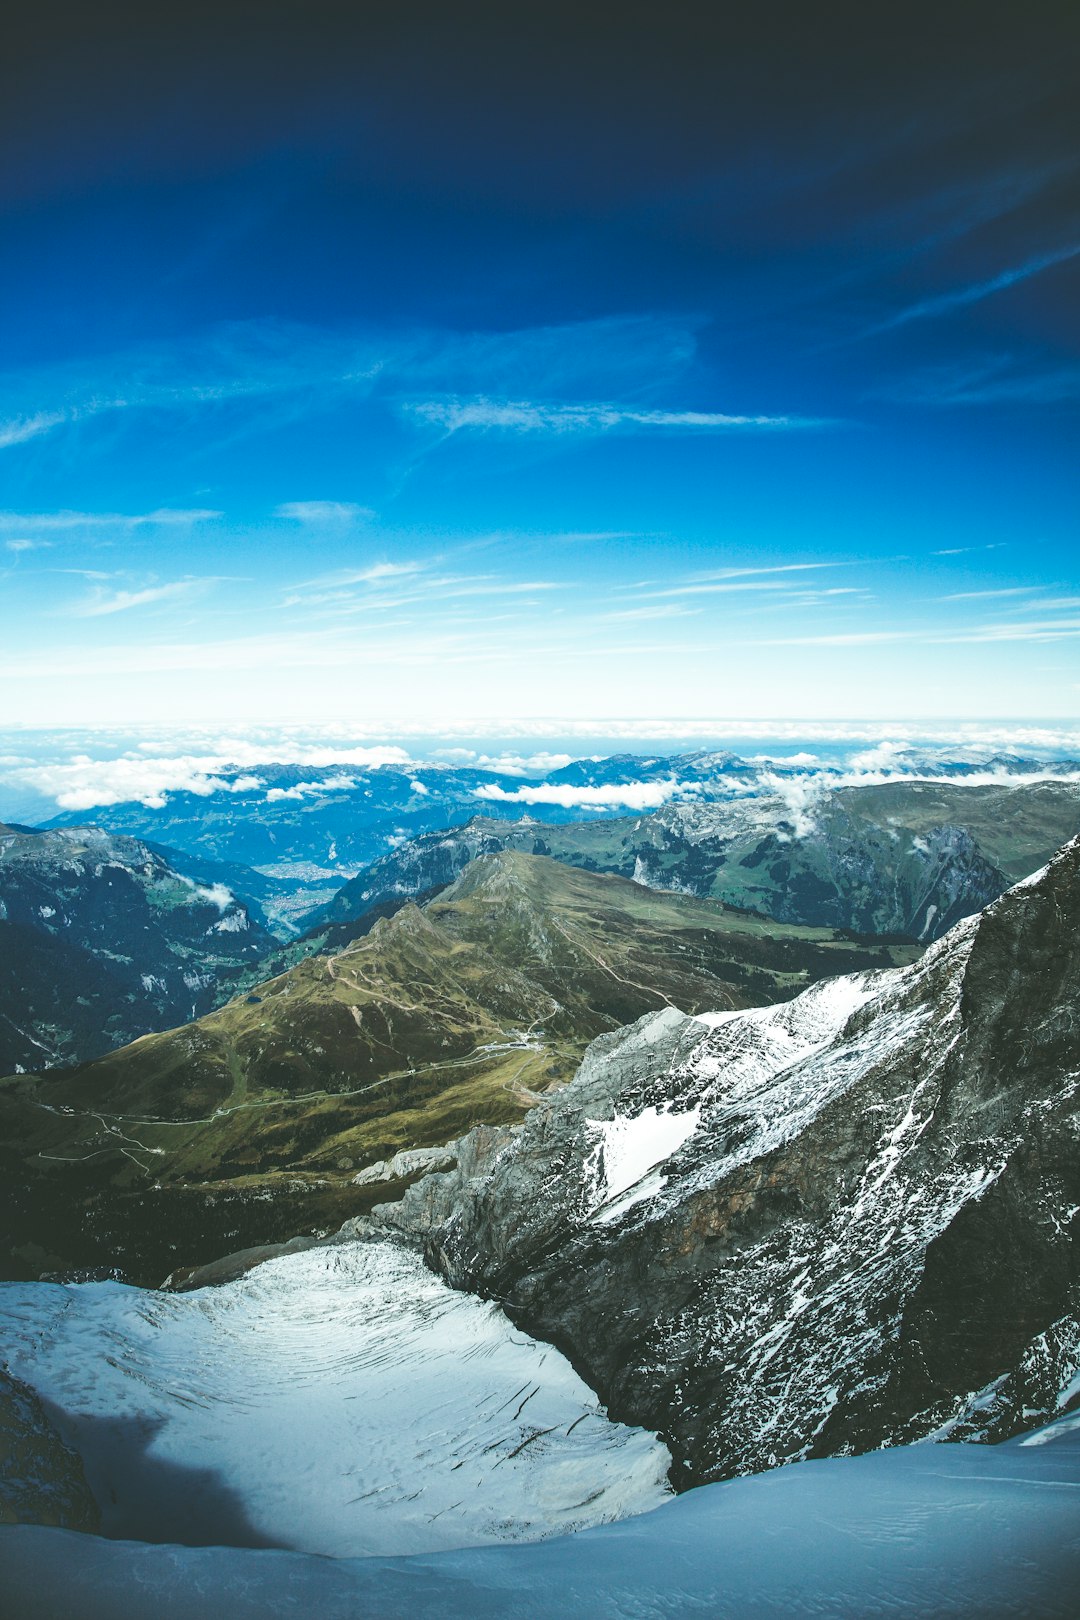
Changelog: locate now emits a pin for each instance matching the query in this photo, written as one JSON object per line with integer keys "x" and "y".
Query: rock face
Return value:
{"x": 809, "y": 1229}
{"x": 101, "y": 940}
{"x": 908, "y": 857}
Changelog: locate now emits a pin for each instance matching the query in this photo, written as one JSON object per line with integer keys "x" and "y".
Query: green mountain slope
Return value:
{"x": 250, "y": 1124}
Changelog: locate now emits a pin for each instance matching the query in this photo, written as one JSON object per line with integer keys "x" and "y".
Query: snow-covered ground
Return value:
{"x": 341, "y": 1401}
{"x": 926, "y": 1532}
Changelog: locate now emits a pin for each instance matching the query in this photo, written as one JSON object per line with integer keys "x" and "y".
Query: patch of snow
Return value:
{"x": 1034, "y": 879}
{"x": 628, "y": 1147}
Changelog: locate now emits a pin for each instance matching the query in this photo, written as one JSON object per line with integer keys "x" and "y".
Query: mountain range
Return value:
{"x": 304, "y": 830}
{"x": 905, "y": 857}
{"x": 103, "y": 939}
{"x": 801, "y": 1241}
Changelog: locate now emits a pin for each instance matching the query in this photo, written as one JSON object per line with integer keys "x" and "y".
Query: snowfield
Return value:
{"x": 342, "y": 1401}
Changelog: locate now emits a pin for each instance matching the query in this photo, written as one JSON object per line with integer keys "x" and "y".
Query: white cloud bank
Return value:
{"x": 616, "y": 796}
{"x": 312, "y": 790}
{"x": 84, "y": 783}
{"x": 204, "y": 762}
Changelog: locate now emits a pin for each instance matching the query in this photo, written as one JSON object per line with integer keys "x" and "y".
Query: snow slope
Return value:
{"x": 341, "y": 1401}
{"x": 925, "y": 1532}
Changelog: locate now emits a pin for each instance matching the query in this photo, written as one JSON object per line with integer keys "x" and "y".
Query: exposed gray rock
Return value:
{"x": 407, "y": 1163}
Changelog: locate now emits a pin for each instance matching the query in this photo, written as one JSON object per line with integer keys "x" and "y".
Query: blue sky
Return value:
{"x": 388, "y": 363}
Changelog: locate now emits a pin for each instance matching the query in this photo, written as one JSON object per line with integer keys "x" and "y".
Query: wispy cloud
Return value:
{"x": 774, "y": 578}
{"x": 378, "y": 587}
{"x": 962, "y": 297}
{"x": 20, "y": 429}
{"x": 728, "y": 587}
{"x": 656, "y": 610}
{"x": 323, "y": 511}
{"x": 963, "y": 551}
{"x": 979, "y": 596}
{"x": 52, "y": 522}
{"x": 455, "y": 415}
{"x": 21, "y": 545}
{"x": 1039, "y": 630}
{"x": 584, "y": 378}
{"x": 259, "y": 364}
{"x": 768, "y": 568}
{"x": 101, "y": 601}
{"x": 570, "y": 537}
{"x": 996, "y": 380}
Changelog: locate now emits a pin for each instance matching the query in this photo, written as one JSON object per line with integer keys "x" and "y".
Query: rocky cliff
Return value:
{"x": 809, "y": 1229}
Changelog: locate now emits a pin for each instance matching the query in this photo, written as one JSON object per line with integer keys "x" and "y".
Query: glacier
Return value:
{"x": 342, "y": 1401}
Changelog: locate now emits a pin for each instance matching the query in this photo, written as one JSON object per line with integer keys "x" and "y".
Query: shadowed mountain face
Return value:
{"x": 250, "y": 1124}
{"x": 102, "y": 940}
{"x": 906, "y": 858}
{"x": 821, "y": 1227}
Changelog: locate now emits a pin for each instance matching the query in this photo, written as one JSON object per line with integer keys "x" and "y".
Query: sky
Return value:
{"x": 386, "y": 363}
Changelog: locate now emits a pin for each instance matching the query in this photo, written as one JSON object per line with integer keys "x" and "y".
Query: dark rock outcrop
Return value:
{"x": 41, "y": 1479}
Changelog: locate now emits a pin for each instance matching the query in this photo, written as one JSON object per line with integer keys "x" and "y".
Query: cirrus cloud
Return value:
{"x": 481, "y": 413}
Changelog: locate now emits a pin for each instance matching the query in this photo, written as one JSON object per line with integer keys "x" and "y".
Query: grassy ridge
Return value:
{"x": 249, "y": 1125}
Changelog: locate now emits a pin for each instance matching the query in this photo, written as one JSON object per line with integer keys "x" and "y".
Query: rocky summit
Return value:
{"x": 810, "y": 1229}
